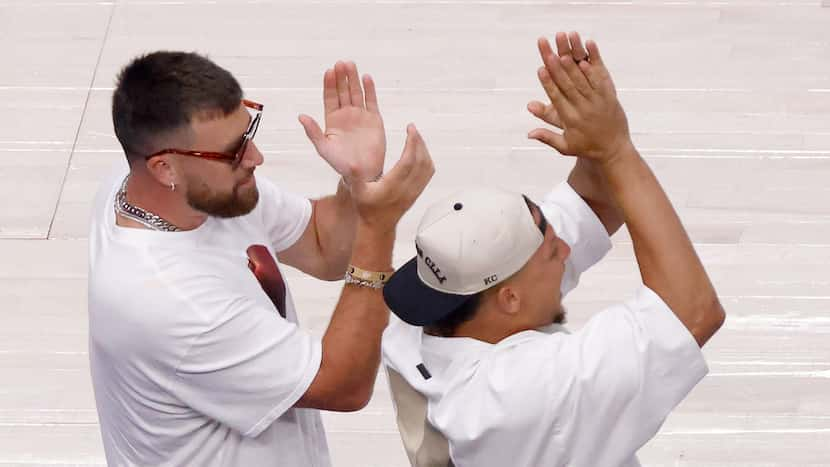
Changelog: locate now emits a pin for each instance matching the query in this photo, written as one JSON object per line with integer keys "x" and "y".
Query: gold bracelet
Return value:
{"x": 373, "y": 279}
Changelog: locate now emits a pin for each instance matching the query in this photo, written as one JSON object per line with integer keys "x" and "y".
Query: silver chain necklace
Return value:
{"x": 142, "y": 216}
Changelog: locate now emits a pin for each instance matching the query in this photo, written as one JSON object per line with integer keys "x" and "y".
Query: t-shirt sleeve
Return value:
{"x": 578, "y": 226}
{"x": 285, "y": 215}
{"x": 247, "y": 368}
{"x": 634, "y": 364}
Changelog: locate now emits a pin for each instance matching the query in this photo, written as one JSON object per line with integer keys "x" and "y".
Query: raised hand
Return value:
{"x": 382, "y": 203}
{"x": 583, "y": 101}
{"x": 354, "y": 142}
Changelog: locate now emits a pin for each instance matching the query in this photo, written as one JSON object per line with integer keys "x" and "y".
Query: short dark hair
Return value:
{"x": 158, "y": 94}
{"x": 446, "y": 326}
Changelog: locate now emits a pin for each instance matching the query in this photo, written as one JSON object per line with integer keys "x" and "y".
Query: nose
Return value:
{"x": 252, "y": 157}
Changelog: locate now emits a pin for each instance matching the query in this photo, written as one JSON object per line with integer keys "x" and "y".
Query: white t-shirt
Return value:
{"x": 191, "y": 362}
{"x": 550, "y": 398}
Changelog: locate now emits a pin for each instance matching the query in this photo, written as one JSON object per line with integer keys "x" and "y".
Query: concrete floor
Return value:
{"x": 728, "y": 100}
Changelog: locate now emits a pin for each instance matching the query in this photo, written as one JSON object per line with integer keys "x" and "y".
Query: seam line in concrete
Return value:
{"x": 83, "y": 117}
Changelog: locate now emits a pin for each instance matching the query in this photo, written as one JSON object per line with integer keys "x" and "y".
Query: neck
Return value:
{"x": 491, "y": 336}
{"x": 147, "y": 193}
{"x": 488, "y": 326}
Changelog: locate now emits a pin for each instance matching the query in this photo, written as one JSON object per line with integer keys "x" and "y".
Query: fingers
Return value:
{"x": 344, "y": 85}
{"x": 424, "y": 161}
{"x": 547, "y": 83}
{"x": 593, "y": 52}
{"x": 405, "y": 164}
{"x": 415, "y": 166}
{"x": 564, "y": 107}
{"x": 546, "y": 113}
{"x": 544, "y": 49}
{"x": 422, "y": 169}
{"x": 371, "y": 94}
{"x": 355, "y": 90}
{"x": 596, "y": 72}
{"x": 554, "y": 66}
{"x": 558, "y": 73}
{"x": 592, "y": 74}
{"x": 546, "y": 52}
{"x": 577, "y": 50}
{"x": 570, "y": 50}
{"x": 563, "y": 47}
{"x": 399, "y": 188}
{"x": 343, "y": 93}
{"x": 313, "y": 131}
{"x": 571, "y": 44}
{"x": 577, "y": 76}
{"x": 330, "y": 100}
{"x": 397, "y": 176}
{"x": 554, "y": 140}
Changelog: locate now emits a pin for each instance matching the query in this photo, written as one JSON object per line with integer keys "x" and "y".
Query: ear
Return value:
{"x": 508, "y": 300}
{"x": 162, "y": 169}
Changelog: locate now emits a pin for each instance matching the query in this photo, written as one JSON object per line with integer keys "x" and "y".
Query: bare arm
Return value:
{"x": 351, "y": 344}
{"x": 589, "y": 182}
{"x": 667, "y": 260}
{"x": 585, "y": 178}
{"x": 324, "y": 249}
{"x": 595, "y": 127}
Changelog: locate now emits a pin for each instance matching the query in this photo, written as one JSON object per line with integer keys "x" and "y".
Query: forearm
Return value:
{"x": 351, "y": 343}
{"x": 590, "y": 184}
{"x": 667, "y": 260}
{"x": 336, "y": 221}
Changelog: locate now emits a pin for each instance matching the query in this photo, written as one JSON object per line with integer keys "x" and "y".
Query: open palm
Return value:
{"x": 354, "y": 142}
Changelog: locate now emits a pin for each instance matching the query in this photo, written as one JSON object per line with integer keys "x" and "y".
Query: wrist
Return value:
{"x": 586, "y": 171}
{"x": 586, "y": 180}
{"x": 375, "y": 232}
{"x": 621, "y": 153}
{"x": 372, "y": 248}
{"x": 345, "y": 183}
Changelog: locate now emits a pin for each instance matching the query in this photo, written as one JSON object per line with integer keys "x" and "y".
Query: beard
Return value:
{"x": 238, "y": 202}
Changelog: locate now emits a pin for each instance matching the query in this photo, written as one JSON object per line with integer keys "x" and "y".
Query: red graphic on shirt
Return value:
{"x": 267, "y": 272}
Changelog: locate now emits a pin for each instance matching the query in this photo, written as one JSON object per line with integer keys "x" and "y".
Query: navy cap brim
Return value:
{"x": 415, "y": 302}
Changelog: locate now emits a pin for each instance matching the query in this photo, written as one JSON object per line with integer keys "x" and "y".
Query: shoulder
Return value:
{"x": 284, "y": 214}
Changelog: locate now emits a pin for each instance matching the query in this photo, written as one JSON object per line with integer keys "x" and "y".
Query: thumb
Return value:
{"x": 536, "y": 108}
{"x": 313, "y": 132}
{"x": 410, "y": 151}
{"x": 554, "y": 140}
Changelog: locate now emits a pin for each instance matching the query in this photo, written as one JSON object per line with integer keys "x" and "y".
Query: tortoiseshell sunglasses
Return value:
{"x": 234, "y": 158}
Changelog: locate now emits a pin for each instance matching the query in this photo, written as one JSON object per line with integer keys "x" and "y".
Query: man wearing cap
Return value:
{"x": 480, "y": 370}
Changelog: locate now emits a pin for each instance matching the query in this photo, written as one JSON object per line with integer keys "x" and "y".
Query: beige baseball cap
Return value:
{"x": 466, "y": 243}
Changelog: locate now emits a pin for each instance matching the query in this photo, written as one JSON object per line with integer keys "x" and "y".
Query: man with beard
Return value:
{"x": 195, "y": 352}
{"x": 481, "y": 372}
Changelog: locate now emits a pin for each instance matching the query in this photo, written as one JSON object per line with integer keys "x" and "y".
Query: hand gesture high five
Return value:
{"x": 354, "y": 142}
{"x": 583, "y": 102}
